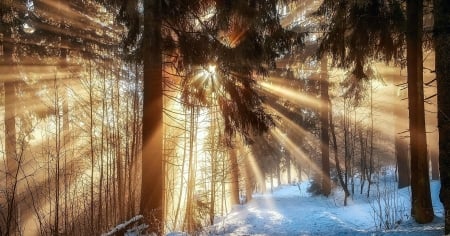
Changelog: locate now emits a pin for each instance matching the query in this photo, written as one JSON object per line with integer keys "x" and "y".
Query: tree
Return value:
{"x": 442, "y": 49}
{"x": 324, "y": 129}
{"x": 152, "y": 185}
{"x": 352, "y": 40}
{"x": 422, "y": 209}
{"x": 244, "y": 37}
{"x": 360, "y": 40}
{"x": 10, "y": 85}
{"x": 401, "y": 144}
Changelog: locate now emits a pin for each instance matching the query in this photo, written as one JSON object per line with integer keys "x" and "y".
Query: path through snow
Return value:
{"x": 289, "y": 211}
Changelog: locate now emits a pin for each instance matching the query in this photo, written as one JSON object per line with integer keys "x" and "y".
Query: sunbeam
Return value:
{"x": 291, "y": 95}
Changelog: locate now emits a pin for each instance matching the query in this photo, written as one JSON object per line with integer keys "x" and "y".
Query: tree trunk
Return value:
{"x": 66, "y": 146}
{"x": 278, "y": 175}
{"x": 10, "y": 154}
{"x": 271, "y": 182}
{"x": 363, "y": 160}
{"x": 152, "y": 186}
{"x": 262, "y": 182}
{"x": 288, "y": 168}
{"x": 189, "y": 219}
{"x": 442, "y": 49}
{"x": 92, "y": 154}
{"x": 119, "y": 157}
{"x": 371, "y": 164}
{"x": 10, "y": 132}
{"x": 58, "y": 150}
{"x": 249, "y": 179}
{"x": 336, "y": 158}
{"x": 434, "y": 165}
{"x": 402, "y": 157}
{"x": 324, "y": 136}
{"x": 234, "y": 177}
{"x": 401, "y": 145}
{"x": 213, "y": 166}
{"x": 421, "y": 209}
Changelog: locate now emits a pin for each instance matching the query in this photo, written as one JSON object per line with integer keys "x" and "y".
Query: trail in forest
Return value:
{"x": 292, "y": 211}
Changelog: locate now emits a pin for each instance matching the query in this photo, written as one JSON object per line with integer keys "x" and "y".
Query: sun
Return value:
{"x": 208, "y": 71}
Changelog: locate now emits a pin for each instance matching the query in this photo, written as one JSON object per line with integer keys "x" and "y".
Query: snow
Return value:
{"x": 290, "y": 210}
{"x": 123, "y": 227}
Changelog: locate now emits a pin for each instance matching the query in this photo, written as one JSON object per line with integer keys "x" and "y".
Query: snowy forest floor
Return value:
{"x": 290, "y": 210}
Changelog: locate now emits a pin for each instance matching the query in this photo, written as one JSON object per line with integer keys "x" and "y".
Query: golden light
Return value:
{"x": 292, "y": 95}
{"x": 212, "y": 69}
{"x": 28, "y": 27}
{"x": 208, "y": 72}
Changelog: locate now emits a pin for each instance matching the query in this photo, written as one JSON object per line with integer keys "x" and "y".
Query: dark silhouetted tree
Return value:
{"x": 442, "y": 49}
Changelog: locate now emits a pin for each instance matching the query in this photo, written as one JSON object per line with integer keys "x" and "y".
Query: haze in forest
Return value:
{"x": 151, "y": 117}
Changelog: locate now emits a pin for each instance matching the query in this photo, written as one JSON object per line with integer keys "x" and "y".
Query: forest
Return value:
{"x": 224, "y": 117}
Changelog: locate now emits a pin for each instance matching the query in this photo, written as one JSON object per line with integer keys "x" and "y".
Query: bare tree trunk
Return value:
{"x": 278, "y": 175}
{"x": 213, "y": 166}
{"x": 263, "y": 183}
{"x": 152, "y": 187}
{"x": 134, "y": 143}
{"x": 324, "y": 135}
{"x": 57, "y": 153}
{"x": 421, "y": 209}
{"x": 442, "y": 49}
{"x": 402, "y": 157}
{"x": 363, "y": 160}
{"x": 119, "y": 156}
{"x": 102, "y": 164}
{"x": 10, "y": 133}
{"x": 185, "y": 140}
{"x": 288, "y": 168}
{"x": 11, "y": 156}
{"x": 234, "y": 171}
{"x": 434, "y": 159}
{"x": 189, "y": 219}
{"x": 371, "y": 165}
{"x": 91, "y": 114}
{"x": 249, "y": 179}
{"x": 346, "y": 145}
{"x": 336, "y": 158}
{"x": 401, "y": 145}
{"x": 271, "y": 182}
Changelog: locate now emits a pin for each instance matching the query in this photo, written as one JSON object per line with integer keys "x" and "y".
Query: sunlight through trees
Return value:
{"x": 152, "y": 116}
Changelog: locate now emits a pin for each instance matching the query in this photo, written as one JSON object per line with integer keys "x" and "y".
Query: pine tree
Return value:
{"x": 442, "y": 49}
{"x": 422, "y": 209}
{"x": 243, "y": 37}
{"x": 353, "y": 41}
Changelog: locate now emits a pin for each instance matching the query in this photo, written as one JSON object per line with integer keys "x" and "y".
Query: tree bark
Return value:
{"x": 324, "y": 136}
{"x": 434, "y": 160}
{"x": 442, "y": 49}
{"x": 421, "y": 209}
{"x": 152, "y": 186}
{"x": 401, "y": 148}
{"x": 189, "y": 218}
{"x": 234, "y": 177}
{"x": 402, "y": 157}
{"x": 249, "y": 179}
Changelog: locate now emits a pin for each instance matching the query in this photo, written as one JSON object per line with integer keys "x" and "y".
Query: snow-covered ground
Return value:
{"x": 292, "y": 211}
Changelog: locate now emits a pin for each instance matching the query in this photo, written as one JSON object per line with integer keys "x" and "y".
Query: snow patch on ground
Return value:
{"x": 290, "y": 210}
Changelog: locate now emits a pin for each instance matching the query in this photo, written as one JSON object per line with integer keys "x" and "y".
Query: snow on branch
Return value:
{"x": 124, "y": 226}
